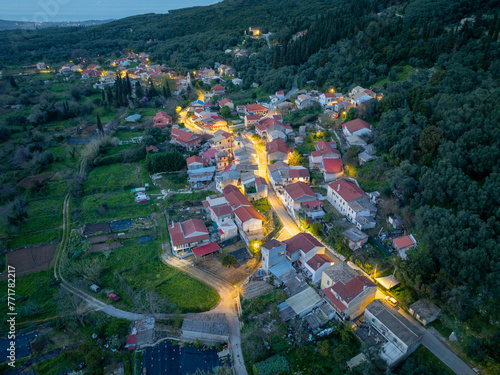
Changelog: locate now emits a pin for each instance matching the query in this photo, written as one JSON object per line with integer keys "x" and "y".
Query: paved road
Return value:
{"x": 439, "y": 349}
{"x": 227, "y": 305}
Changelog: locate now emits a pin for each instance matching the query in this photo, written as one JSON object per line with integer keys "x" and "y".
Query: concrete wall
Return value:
{"x": 273, "y": 256}
{"x": 358, "y": 305}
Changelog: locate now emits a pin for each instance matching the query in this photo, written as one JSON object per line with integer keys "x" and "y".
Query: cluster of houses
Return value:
{"x": 343, "y": 292}
{"x": 232, "y": 214}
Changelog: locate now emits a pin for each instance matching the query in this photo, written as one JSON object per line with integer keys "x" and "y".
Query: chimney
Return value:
{"x": 318, "y": 266}
{"x": 338, "y": 187}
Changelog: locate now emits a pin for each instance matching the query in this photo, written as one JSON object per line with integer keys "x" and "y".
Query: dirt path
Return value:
{"x": 226, "y": 305}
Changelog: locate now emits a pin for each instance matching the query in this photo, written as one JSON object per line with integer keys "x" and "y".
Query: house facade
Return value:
{"x": 162, "y": 120}
{"x": 350, "y": 300}
{"x": 186, "y": 235}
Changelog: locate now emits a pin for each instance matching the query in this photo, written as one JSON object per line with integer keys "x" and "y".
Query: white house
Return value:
{"x": 295, "y": 194}
{"x": 356, "y": 127}
{"x": 328, "y": 98}
{"x": 351, "y": 201}
{"x": 186, "y": 235}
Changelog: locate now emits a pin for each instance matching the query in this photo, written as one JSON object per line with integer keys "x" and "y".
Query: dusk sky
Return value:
{"x": 81, "y": 10}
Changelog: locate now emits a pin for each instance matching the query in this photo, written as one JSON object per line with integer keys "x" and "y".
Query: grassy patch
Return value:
{"x": 404, "y": 294}
{"x": 113, "y": 206}
{"x": 262, "y": 206}
{"x": 33, "y": 238}
{"x": 43, "y": 214}
{"x": 34, "y": 297}
{"x": 422, "y": 356}
{"x": 441, "y": 328}
{"x": 173, "y": 181}
{"x": 117, "y": 177}
{"x": 141, "y": 268}
{"x": 401, "y": 76}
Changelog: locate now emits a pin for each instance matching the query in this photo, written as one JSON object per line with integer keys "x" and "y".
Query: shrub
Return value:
{"x": 165, "y": 162}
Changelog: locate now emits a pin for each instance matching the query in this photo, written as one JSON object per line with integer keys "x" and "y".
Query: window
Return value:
{"x": 328, "y": 282}
{"x": 373, "y": 320}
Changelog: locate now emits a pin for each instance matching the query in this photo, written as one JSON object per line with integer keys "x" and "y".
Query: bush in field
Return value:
{"x": 97, "y": 147}
{"x": 227, "y": 260}
{"x": 165, "y": 162}
{"x": 277, "y": 364}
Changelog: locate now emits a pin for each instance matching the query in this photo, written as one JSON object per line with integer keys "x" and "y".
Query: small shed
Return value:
{"x": 425, "y": 311}
{"x": 304, "y": 302}
{"x": 133, "y": 118}
{"x": 355, "y": 238}
{"x": 203, "y": 250}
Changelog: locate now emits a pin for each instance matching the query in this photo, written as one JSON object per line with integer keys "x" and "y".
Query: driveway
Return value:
{"x": 439, "y": 349}
{"x": 226, "y": 305}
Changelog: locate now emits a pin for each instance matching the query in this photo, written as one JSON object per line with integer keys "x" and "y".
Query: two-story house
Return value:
{"x": 186, "y": 235}
{"x": 402, "y": 335}
{"x": 299, "y": 195}
{"x": 351, "y": 201}
{"x": 276, "y": 150}
{"x": 350, "y": 300}
{"x": 357, "y": 127}
{"x": 162, "y": 120}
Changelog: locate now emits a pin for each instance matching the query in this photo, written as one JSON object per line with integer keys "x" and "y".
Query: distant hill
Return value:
{"x": 13, "y": 25}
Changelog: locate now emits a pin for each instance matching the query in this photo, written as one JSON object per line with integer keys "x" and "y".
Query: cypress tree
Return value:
{"x": 13, "y": 83}
{"x": 100, "y": 128}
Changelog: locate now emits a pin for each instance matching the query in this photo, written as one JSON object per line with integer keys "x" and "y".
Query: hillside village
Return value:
{"x": 248, "y": 232}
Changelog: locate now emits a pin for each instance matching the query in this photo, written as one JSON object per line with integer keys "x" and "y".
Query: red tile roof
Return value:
{"x": 255, "y": 108}
{"x": 192, "y": 230}
{"x": 347, "y": 189}
{"x": 317, "y": 261}
{"x": 356, "y": 125}
{"x": 272, "y": 244}
{"x": 276, "y": 166}
{"x": 315, "y": 203}
{"x": 332, "y": 165}
{"x": 225, "y": 101}
{"x": 299, "y": 172}
{"x": 151, "y": 148}
{"x": 323, "y": 145}
{"x": 260, "y": 181}
{"x": 299, "y": 189}
{"x": 209, "y": 248}
{"x": 252, "y": 117}
{"x": 218, "y": 88}
{"x": 326, "y": 152}
{"x": 302, "y": 241}
{"x": 183, "y": 136}
{"x": 348, "y": 292}
{"x": 209, "y": 154}
{"x": 235, "y": 197}
{"x": 195, "y": 159}
{"x": 276, "y": 145}
{"x": 246, "y": 213}
{"x": 222, "y": 210}
{"x": 403, "y": 242}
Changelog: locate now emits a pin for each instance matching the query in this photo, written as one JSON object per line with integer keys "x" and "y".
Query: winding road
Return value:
{"x": 227, "y": 302}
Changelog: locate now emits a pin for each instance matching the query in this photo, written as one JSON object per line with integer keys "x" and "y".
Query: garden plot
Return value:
{"x": 30, "y": 260}
{"x": 106, "y": 246}
{"x": 245, "y": 266}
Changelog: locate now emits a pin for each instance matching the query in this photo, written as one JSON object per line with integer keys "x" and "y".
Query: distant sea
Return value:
{"x": 74, "y": 11}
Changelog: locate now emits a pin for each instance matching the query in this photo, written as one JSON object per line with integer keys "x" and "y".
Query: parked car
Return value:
{"x": 391, "y": 300}
{"x": 114, "y": 297}
{"x": 95, "y": 288}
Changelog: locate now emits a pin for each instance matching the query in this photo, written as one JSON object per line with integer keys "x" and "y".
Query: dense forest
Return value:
{"x": 438, "y": 127}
